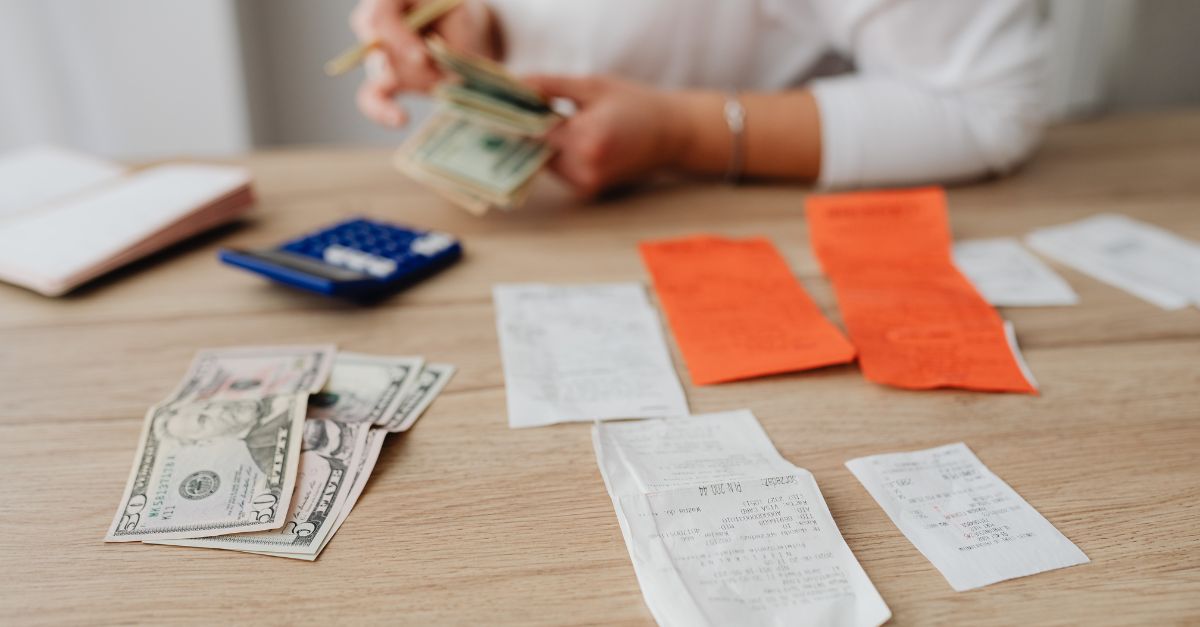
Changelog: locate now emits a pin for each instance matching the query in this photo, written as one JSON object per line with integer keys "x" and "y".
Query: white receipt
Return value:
{"x": 973, "y": 527}
{"x": 1007, "y": 275}
{"x": 582, "y": 353}
{"x": 1149, "y": 262}
{"x": 722, "y": 530}
{"x": 1010, "y": 334}
{"x": 764, "y": 551}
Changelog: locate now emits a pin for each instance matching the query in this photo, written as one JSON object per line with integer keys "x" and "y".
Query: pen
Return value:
{"x": 418, "y": 18}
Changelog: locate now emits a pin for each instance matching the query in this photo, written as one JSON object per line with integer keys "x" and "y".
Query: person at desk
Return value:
{"x": 940, "y": 90}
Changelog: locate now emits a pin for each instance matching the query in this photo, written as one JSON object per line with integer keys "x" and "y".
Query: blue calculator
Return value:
{"x": 358, "y": 259}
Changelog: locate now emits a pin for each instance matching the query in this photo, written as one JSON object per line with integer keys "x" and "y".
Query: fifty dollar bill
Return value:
{"x": 220, "y": 455}
{"x": 362, "y": 390}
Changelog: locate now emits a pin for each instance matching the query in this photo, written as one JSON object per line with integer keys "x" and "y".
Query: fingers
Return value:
{"x": 414, "y": 69}
{"x": 581, "y": 89}
{"x": 376, "y": 96}
{"x": 407, "y": 58}
{"x": 399, "y": 64}
{"x": 583, "y": 180}
{"x": 378, "y": 102}
{"x": 582, "y": 158}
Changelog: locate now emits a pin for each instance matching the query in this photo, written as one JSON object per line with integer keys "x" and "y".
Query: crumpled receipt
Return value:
{"x": 722, "y": 530}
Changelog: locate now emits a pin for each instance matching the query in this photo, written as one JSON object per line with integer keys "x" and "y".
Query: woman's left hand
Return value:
{"x": 621, "y": 131}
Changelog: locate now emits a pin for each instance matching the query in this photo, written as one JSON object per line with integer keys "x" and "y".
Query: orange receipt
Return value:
{"x": 736, "y": 310}
{"x": 915, "y": 320}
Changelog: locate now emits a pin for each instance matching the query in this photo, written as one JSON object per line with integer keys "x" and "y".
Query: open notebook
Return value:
{"x": 66, "y": 218}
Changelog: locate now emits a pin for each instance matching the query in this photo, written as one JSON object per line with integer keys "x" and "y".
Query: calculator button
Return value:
{"x": 358, "y": 260}
{"x": 431, "y": 244}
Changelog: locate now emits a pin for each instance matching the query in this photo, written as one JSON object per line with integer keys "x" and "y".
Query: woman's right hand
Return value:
{"x": 401, "y": 63}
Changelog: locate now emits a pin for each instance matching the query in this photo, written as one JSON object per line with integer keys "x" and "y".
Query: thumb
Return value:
{"x": 581, "y": 89}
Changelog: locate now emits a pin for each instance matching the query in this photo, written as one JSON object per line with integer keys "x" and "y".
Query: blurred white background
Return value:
{"x": 152, "y": 78}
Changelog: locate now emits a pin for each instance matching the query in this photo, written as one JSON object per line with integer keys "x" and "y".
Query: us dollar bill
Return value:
{"x": 255, "y": 372}
{"x": 486, "y": 77}
{"x": 361, "y": 390}
{"x": 365, "y": 469}
{"x": 473, "y": 158}
{"x": 433, "y": 378}
{"x": 483, "y": 145}
{"x": 332, "y": 454}
{"x": 221, "y": 454}
{"x": 364, "y": 466}
{"x": 206, "y": 468}
{"x": 476, "y": 155}
{"x": 365, "y": 388}
{"x": 497, "y": 112}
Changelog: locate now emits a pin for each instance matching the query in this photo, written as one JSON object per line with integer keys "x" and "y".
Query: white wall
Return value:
{"x": 1088, "y": 34}
{"x": 123, "y": 78}
{"x": 287, "y": 43}
{"x": 1159, "y": 63}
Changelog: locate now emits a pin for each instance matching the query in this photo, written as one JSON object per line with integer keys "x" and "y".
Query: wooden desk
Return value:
{"x": 466, "y": 521}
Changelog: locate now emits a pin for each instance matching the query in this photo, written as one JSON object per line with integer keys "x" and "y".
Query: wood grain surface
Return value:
{"x": 468, "y": 522}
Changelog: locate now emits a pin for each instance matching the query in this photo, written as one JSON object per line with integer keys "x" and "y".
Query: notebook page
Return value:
{"x": 39, "y": 175}
{"x": 49, "y": 248}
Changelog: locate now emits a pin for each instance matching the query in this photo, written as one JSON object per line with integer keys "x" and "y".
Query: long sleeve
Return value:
{"x": 944, "y": 91}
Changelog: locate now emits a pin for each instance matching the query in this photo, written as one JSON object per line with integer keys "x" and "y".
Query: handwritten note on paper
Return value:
{"x": 973, "y": 527}
{"x": 737, "y": 311}
{"x": 1146, "y": 261}
{"x": 582, "y": 353}
{"x": 764, "y": 552}
{"x": 644, "y": 462}
{"x": 915, "y": 319}
{"x": 1007, "y": 275}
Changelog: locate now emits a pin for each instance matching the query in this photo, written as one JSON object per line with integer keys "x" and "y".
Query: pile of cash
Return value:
{"x": 266, "y": 450}
{"x": 480, "y": 148}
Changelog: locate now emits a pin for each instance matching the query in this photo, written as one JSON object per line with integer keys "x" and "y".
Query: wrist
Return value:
{"x": 700, "y": 136}
{"x": 677, "y": 125}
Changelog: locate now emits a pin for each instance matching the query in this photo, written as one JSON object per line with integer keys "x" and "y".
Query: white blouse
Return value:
{"x": 941, "y": 90}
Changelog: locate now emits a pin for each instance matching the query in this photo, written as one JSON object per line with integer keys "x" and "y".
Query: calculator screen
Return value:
{"x": 307, "y": 265}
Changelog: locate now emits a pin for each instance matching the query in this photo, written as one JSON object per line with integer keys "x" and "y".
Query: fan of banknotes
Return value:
{"x": 266, "y": 450}
{"x": 480, "y": 148}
